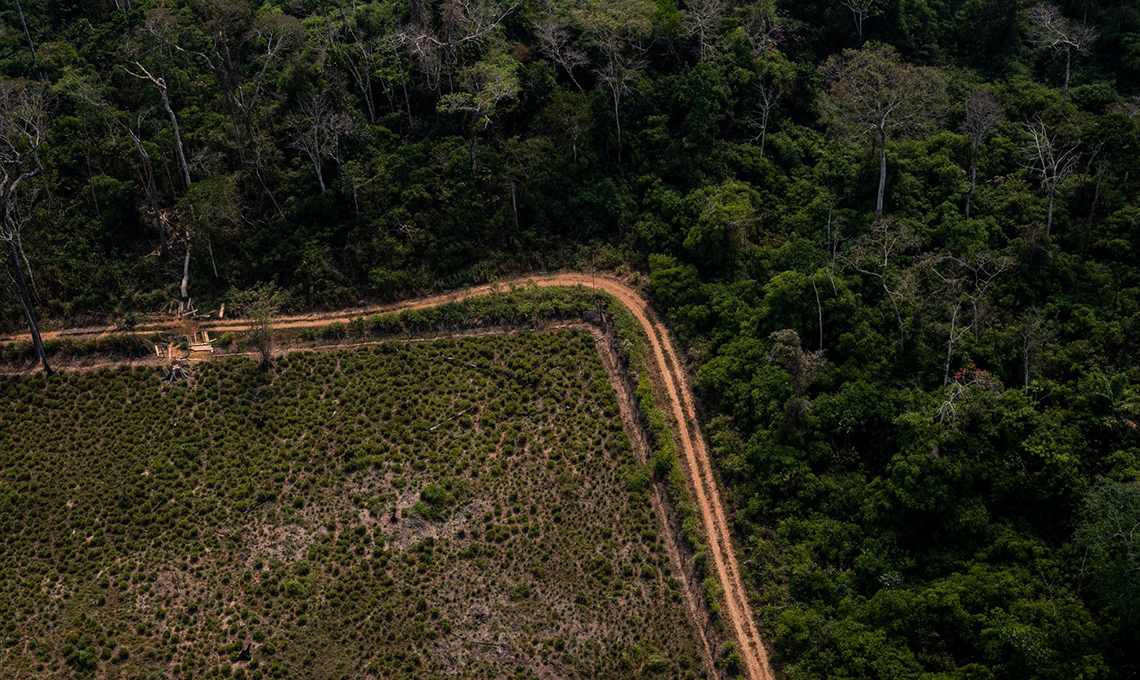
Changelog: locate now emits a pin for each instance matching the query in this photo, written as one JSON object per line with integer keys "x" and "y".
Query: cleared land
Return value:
{"x": 671, "y": 379}
{"x": 390, "y": 511}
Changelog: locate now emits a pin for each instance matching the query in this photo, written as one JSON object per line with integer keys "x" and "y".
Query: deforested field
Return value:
{"x": 459, "y": 508}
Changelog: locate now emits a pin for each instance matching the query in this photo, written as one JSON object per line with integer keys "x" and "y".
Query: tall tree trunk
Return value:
{"x": 819, "y": 310}
{"x": 404, "y": 84}
{"x": 186, "y": 273}
{"x": 238, "y": 143}
{"x": 1049, "y": 218}
{"x": 1092, "y": 212}
{"x": 151, "y": 188}
{"x": 364, "y": 80}
{"x": 833, "y": 250}
{"x": 1025, "y": 365}
{"x": 950, "y": 344}
{"x": 973, "y": 180}
{"x": 320, "y": 175}
{"x": 1068, "y": 68}
{"x": 17, "y": 272}
{"x": 617, "y": 121}
{"x": 177, "y": 137}
{"x": 474, "y": 143}
{"x": 28, "y": 37}
{"x": 882, "y": 175}
{"x": 315, "y": 156}
{"x": 977, "y": 325}
{"x": 763, "y": 132}
{"x": 898, "y": 319}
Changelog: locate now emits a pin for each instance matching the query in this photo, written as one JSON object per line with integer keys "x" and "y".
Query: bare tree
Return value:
{"x": 224, "y": 38}
{"x": 227, "y": 25}
{"x": 770, "y": 92}
{"x": 951, "y": 289}
{"x": 1049, "y": 157}
{"x": 555, "y": 41}
{"x": 875, "y": 255}
{"x": 1049, "y": 28}
{"x": 475, "y": 20}
{"x": 764, "y": 28}
{"x": 831, "y": 245}
{"x": 364, "y": 42}
{"x": 361, "y": 58}
{"x": 874, "y": 94}
{"x": 818, "y": 309}
{"x": 160, "y": 85}
{"x": 317, "y": 129}
{"x": 618, "y": 28}
{"x": 1132, "y": 108}
{"x": 861, "y": 10}
{"x": 963, "y": 281}
{"x": 27, "y": 34}
{"x": 622, "y": 62}
{"x": 702, "y": 20}
{"x": 426, "y": 50}
{"x": 463, "y": 22}
{"x": 981, "y": 270}
{"x": 275, "y": 35}
{"x": 23, "y": 124}
{"x": 776, "y": 77}
{"x": 983, "y": 112}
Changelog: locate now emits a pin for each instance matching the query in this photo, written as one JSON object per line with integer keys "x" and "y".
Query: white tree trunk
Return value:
{"x": 186, "y": 273}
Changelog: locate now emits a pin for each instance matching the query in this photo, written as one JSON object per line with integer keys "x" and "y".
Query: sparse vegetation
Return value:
{"x": 379, "y": 511}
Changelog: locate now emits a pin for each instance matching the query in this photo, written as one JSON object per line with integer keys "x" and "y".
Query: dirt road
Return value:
{"x": 695, "y": 456}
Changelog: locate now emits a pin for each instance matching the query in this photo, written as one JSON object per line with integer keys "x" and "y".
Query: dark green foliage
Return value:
{"x": 936, "y": 503}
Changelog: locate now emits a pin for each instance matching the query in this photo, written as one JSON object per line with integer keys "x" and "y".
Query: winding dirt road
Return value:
{"x": 695, "y": 456}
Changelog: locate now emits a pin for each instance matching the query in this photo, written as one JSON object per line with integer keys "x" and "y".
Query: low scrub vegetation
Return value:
{"x": 464, "y": 508}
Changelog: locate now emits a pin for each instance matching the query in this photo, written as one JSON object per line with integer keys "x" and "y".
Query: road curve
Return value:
{"x": 695, "y": 456}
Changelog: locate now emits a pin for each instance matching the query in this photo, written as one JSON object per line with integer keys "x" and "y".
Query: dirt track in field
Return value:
{"x": 695, "y": 456}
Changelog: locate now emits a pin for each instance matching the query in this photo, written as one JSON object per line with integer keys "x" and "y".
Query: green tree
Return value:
{"x": 873, "y": 94}
{"x": 726, "y": 216}
{"x": 1110, "y": 530}
{"x": 492, "y": 86}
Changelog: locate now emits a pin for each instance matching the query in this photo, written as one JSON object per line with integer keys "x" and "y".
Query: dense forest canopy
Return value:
{"x": 898, "y": 238}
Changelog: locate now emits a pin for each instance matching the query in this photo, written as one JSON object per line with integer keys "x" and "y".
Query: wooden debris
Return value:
{"x": 177, "y": 372}
{"x": 598, "y": 317}
{"x": 203, "y": 344}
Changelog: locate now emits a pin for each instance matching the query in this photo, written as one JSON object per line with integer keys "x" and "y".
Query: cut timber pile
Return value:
{"x": 195, "y": 342}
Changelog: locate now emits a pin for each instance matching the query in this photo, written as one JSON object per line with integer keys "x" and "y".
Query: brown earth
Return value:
{"x": 695, "y": 457}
